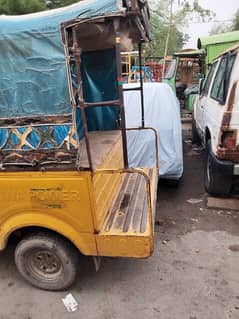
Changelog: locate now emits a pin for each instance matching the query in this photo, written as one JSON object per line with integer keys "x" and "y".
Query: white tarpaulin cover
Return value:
{"x": 162, "y": 111}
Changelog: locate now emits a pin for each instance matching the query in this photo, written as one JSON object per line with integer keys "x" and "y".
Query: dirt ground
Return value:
{"x": 193, "y": 273}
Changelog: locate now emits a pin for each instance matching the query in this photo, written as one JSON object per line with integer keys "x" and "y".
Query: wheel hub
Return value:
{"x": 45, "y": 263}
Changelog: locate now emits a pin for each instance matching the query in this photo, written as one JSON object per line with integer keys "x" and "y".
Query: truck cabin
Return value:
{"x": 184, "y": 73}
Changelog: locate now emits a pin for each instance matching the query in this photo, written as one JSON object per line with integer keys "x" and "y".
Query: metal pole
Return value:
{"x": 77, "y": 55}
{"x": 168, "y": 36}
{"x": 116, "y": 23}
{"x": 141, "y": 85}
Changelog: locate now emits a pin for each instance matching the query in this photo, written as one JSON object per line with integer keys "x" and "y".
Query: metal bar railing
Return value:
{"x": 77, "y": 54}
{"x": 155, "y": 137}
{"x": 104, "y": 103}
{"x": 141, "y": 85}
{"x": 116, "y": 23}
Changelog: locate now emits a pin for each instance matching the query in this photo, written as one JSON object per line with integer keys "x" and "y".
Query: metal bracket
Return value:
{"x": 97, "y": 262}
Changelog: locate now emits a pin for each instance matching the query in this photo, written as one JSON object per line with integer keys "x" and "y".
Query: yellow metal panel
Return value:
{"x": 128, "y": 242}
{"x": 125, "y": 246}
{"x": 56, "y": 200}
{"x": 105, "y": 185}
{"x": 85, "y": 242}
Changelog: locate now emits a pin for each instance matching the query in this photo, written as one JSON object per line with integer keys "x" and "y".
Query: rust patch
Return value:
{"x": 125, "y": 201}
{"x": 222, "y": 152}
{"x": 228, "y": 155}
{"x": 37, "y": 157}
{"x": 228, "y": 114}
{"x": 36, "y": 120}
{"x": 226, "y": 120}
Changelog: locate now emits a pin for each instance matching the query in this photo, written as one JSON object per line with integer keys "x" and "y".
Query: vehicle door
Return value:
{"x": 202, "y": 100}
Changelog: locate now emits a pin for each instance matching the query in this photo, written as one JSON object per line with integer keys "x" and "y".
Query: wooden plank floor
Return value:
{"x": 130, "y": 210}
{"x": 101, "y": 143}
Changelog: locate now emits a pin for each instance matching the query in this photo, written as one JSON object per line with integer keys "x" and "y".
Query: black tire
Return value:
{"x": 173, "y": 183}
{"x": 195, "y": 136}
{"x": 47, "y": 261}
{"x": 214, "y": 183}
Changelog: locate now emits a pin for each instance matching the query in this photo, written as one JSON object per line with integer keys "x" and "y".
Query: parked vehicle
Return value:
{"x": 188, "y": 67}
{"x": 214, "y": 45}
{"x": 184, "y": 73}
{"x": 66, "y": 185}
{"x": 162, "y": 112}
{"x": 216, "y": 123}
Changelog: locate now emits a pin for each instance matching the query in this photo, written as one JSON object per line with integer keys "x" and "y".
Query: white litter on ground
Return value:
{"x": 194, "y": 200}
{"x": 70, "y": 303}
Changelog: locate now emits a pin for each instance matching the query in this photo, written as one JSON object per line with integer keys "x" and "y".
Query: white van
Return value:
{"x": 216, "y": 123}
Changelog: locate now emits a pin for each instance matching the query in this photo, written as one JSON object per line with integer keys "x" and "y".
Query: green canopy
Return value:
{"x": 218, "y": 38}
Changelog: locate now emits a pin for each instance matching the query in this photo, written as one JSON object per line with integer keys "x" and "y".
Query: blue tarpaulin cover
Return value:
{"x": 33, "y": 74}
{"x": 32, "y": 61}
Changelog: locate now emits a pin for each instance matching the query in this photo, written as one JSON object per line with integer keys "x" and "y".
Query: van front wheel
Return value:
{"x": 47, "y": 261}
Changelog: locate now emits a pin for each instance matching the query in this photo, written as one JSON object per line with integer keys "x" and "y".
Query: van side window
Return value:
{"x": 217, "y": 92}
{"x": 209, "y": 79}
{"x": 221, "y": 83}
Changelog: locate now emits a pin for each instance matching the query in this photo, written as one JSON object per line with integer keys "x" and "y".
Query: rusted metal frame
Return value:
{"x": 35, "y": 164}
{"x": 141, "y": 28}
{"x": 143, "y": 22}
{"x": 105, "y": 103}
{"x": 132, "y": 89}
{"x": 77, "y": 54}
{"x": 65, "y": 39}
{"x": 148, "y": 186}
{"x": 36, "y": 120}
{"x": 134, "y": 5}
{"x": 141, "y": 85}
{"x": 146, "y": 16}
{"x": 26, "y": 167}
{"x": 76, "y": 22}
{"x": 116, "y": 24}
{"x": 155, "y": 136}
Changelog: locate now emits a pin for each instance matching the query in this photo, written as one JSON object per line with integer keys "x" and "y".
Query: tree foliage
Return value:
{"x": 168, "y": 17}
{"x": 16, "y": 7}
{"x": 235, "y": 24}
{"x": 52, "y": 4}
{"x": 222, "y": 28}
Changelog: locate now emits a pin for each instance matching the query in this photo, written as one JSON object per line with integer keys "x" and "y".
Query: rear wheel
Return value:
{"x": 214, "y": 182}
{"x": 47, "y": 261}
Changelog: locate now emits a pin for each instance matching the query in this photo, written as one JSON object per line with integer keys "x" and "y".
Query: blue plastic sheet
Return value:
{"x": 33, "y": 75}
{"x": 32, "y": 63}
{"x": 99, "y": 75}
